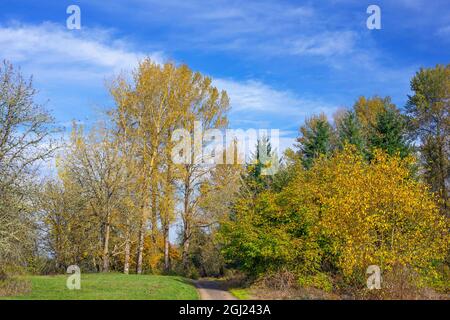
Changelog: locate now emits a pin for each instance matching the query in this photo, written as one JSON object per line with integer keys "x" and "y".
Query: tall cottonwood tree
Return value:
{"x": 142, "y": 110}
{"x": 160, "y": 99}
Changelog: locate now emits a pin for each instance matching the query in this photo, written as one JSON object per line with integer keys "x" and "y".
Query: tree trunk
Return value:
{"x": 187, "y": 222}
{"x": 154, "y": 216}
{"x": 186, "y": 243}
{"x": 167, "y": 213}
{"x": 166, "y": 248}
{"x": 126, "y": 265}
{"x": 443, "y": 175}
{"x": 141, "y": 244}
{"x": 185, "y": 258}
{"x": 106, "y": 244}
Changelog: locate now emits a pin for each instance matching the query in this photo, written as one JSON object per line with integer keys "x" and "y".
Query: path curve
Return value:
{"x": 213, "y": 290}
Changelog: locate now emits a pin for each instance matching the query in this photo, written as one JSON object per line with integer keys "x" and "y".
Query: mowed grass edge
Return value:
{"x": 110, "y": 286}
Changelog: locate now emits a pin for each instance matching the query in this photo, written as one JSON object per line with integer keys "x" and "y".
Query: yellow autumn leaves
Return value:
{"x": 371, "y": 212}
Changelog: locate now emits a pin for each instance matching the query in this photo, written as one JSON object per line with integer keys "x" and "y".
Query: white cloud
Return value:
{"x": 255, "y": 96}
{"x": 259, "y": 106}
{"x": 60, "y": 53}
{"x": 325, "y": 44}
{"x": 57, "y": 55}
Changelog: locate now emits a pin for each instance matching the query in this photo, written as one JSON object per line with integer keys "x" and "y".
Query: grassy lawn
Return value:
{"x": 111, "y": 286}
{"x": 241, "y": 294}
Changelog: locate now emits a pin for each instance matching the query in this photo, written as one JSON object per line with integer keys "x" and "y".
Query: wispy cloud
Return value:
{"x": 85, "y": 58}
{"x": 70, "y": 68}
{"x": 444, "y": 32}
{"x": 254, "y": 100}
{"x": 90, "y": 54}
{"x": 325, "y": 44}
{"x": 248, "y": 25}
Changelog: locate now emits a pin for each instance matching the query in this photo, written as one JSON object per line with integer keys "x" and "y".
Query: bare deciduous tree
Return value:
{"x": 26, "y": 140}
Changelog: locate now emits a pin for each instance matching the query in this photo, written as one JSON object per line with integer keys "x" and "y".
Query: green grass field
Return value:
{"x": 112, "y": 286}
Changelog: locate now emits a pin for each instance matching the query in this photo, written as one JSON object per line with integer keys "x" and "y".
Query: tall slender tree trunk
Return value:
{"x": 166, "y": 248}
{"x": 443, "y": 175}
{"x": 154, "y": 216}
{"x": 126, "y": 264}
{"x": 187, "y": 222}
{"x": 140, "y": 251}
{"x": 144, "y": 218}
{"x": 106, "y": 243}
{"x": 169, "y": 208}
{"x": 186, "y": 244}
{"x": 186, "y": 241}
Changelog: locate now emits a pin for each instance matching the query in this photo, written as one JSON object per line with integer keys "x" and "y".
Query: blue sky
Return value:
{"x": 280, "y": 61}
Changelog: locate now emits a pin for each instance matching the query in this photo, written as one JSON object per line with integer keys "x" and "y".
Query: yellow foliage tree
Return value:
{"x": 371, "y": 213}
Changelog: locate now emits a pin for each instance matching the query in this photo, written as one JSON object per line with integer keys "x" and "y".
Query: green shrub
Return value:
{"x": 319, "y": 281}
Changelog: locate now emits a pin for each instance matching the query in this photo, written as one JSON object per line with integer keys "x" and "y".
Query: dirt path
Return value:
{"x": 213, "y": 290}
